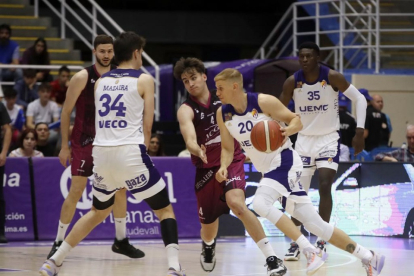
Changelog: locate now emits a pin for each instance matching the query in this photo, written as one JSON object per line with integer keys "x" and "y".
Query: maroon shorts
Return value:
{"x": 82, "y": 161}
{"x": 211, "y": 194}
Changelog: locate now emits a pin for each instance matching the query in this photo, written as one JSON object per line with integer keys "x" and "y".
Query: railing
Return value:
{"x": 363, "y": 22}
{"x": 93, "y": 30}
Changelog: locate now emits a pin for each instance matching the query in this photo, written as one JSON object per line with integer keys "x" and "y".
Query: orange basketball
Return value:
{"x": 266, "y": 136}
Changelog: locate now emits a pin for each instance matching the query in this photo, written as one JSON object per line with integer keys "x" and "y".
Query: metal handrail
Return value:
{"x": 93, "y": 30}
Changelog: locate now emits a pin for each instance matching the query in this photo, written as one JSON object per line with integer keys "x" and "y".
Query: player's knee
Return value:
{"x": 75, "y": 193}
{"x": 312, "y": 221}
{"x": 237, "y": 206}
{"x": 325, "y": 188}
{"x": 261, "y": 206}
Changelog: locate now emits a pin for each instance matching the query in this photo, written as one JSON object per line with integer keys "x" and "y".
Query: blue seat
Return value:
{"x": 363, "y": 156}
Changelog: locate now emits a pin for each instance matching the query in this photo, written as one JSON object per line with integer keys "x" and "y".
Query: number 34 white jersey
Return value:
{"x": 317, "y": 104}
{"x": 119, "y": 109}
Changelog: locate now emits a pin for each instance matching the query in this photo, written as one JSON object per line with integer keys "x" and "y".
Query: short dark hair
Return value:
{"x": 45, "y": 86}
{"x": 29, "y": 73}
{"x": 64, "y": 68}
{"x": 9, "y": 92}
{"x": 310, "y": 45}
{"x": 126, "y": 44}
{"x": 41, "y": 123}
{"x": 185, "y": 65}
{"x": 102, "y": 39}
{"x": 24, "y": 134}
{"x": 7, "y": 27}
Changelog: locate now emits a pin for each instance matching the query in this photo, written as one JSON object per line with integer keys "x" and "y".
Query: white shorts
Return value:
{"x": 320, "y": 151}
{"x": 285, "y": 180}
{"x": 126, "y": 166}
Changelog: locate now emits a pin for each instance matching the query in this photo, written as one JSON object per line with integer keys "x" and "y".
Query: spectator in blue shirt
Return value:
{"x": 9, "y": 54}
{"x": 27, "y": 88}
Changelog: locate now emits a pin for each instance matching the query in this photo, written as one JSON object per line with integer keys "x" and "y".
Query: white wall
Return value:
{"x": 398, "y": 94}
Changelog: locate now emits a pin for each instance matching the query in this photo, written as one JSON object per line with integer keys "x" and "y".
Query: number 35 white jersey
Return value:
{"x": 317, "y": 104}
{"x": 119, "y": 109}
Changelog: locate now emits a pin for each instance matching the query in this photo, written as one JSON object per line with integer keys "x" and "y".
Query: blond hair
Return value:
{"x": 230, "y": 74}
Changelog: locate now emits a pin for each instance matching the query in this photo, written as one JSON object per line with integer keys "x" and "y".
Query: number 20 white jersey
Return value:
{"x": 317, "y": 104}
{"x": 119, "y": 109}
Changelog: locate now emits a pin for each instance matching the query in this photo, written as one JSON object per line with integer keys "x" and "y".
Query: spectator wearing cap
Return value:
{"x": 347, "y": 121}
{"x": 376, "y": 128}
{"x": 401, "y": 154}
{"x": 9, "y": 54}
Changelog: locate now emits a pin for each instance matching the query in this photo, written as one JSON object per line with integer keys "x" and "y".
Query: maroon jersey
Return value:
{"x": 208, "y": 132}
{"x": 83, "y": 132}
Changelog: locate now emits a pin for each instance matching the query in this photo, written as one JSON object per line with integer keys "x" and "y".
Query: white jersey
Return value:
{"x": 240, "y": 126}
{"x": 317, "y": 104}
{"x": 119, "y": 109}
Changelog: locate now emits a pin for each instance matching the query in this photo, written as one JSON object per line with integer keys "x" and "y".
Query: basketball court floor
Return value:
{"x": 235, "y": 257}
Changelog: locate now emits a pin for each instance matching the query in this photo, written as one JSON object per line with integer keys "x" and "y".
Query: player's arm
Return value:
{"x": 274, "y": 108}
{"x": 227, "y": 148}
{"x": 338, "y": 81}
{"x": 76, "y": 85}
{"x": 287, "y": 93}
{"x": 146, "y": 89}
{"x": 185, "y": 116}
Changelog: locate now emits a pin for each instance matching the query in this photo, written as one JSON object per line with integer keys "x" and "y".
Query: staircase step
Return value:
{"x": 52, "y": 43}
{"x": 49, "y": 32}
{"x": 16, "y": 9}
{"x": 14, "y": 2}
{"x": 25, "y": 21}
{"x": 56, "y": 72}
{"x": 60, "y": 54}
{"x": 67, "y": 62}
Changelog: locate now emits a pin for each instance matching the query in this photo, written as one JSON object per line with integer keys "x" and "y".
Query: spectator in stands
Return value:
{"x": 4, "y": 148}
{"x": 376, "y": 128}
{"x": 27, "y": 145}
{"x": 378, "y": 103}
{"x": 43, "y": 145}
{"x": 26, "y": 88}
{"x": 16, "y": 113}
{"x": 60, "y": 86}
{"x": 38, "y": 55}
{"x": 156, "y": 146}
{"x": 347, "y": 121}
{"x": 9, "y": 54}
{"x": 401, "y": 154}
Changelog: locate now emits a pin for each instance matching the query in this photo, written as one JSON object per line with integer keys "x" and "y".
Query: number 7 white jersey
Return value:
{"x": 317, "y": 104}
{"x": 119, "y": 109}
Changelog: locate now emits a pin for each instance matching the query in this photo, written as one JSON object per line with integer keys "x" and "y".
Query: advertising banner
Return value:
{"x": 53, "y": 181}
{"x": 17, "y": 194}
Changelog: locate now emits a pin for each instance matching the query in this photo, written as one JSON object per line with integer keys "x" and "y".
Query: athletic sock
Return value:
{"x": 61, "y": 253}
{"x": 362, "y": 253}
{"x": 120, "y": 228}
{"x": 266, "y": 248}
{"x": 62, "y": 228}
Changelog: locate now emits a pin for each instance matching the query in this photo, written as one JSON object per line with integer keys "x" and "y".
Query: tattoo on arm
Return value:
{"x": 350, "y": 248}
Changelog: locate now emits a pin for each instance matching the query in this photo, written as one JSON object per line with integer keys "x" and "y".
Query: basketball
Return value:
{"x": 266, "y": 136}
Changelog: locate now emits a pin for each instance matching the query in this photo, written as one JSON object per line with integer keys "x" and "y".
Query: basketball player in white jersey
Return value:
{"x": 124, "y": 100}
{"x": 315, "y": 90}
{"x": 281, "y": 170}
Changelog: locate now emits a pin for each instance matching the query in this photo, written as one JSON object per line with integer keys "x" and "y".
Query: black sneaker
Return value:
{"x": 55, "y": 248}
{"x": 207, "y": 256}
{"x": 275, "y": 266}
{"x": 127, "y": 249}
{"x": 3, "y": 239}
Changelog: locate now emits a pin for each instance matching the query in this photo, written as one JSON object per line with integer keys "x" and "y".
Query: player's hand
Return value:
{"x": 221, "y": 175}
{"x": 202, "y": 154}
{"x": 64, "y": 156}
{"x": 358, "y": 142}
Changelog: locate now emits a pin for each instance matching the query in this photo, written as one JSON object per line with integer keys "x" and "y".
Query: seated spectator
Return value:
{"x": 347, "y": 121}
{"x": 378, "y": 103}
{"x": 27, "y": 145}
{"x": 16, "y": 113}
{"x": 156, "y": 147}
{"x": 344, "y": 155}
{"x": 43, "y": 145}
{"x": 376, "y": 128}
{"x": 60, "y": 86}
{"x": 9, "y": 54}
{"x": 402, "y": 154}
{"x": 26, "y": 88}
{"x": 38, "y": 55}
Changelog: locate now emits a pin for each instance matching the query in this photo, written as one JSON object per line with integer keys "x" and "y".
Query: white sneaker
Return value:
{"x": 316, "y": 258}
{"x": 293, "y": 253}
{"x": 173, "y": 272}
{"x": 49, "y": 268}
{"x": 375, "y": 265}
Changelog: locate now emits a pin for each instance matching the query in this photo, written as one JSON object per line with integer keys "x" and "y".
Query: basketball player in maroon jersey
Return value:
{"x": 81, "y": 93}
{"x": 198, "y": 124}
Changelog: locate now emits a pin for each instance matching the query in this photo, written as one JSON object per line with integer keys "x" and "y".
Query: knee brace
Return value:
{"x": 263, "y": 205}
{"x": 306, "y": 213}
